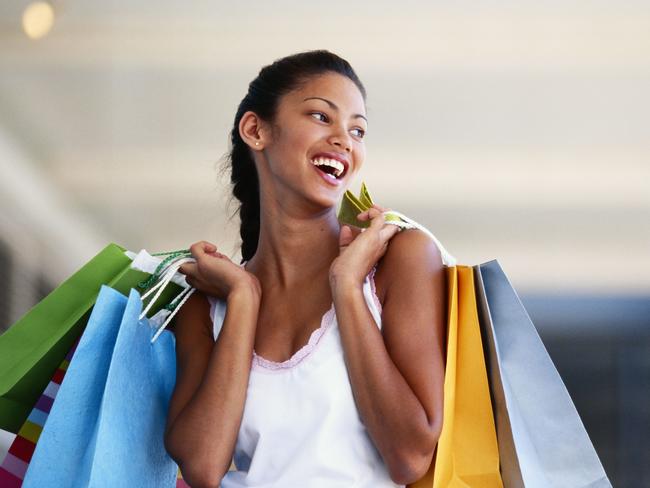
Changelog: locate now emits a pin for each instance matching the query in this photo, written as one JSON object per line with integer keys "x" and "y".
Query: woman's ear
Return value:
{"x": 253, "y": 130}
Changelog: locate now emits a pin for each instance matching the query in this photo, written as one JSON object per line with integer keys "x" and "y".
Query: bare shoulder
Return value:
{"x": 194, "y": 344}
{"x": 193, "y": 321}
{"x": 409, "y": 251}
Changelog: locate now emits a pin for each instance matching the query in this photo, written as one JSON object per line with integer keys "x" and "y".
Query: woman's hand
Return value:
{"x": 214, "y": 273}
{"x": 361, "y": 249}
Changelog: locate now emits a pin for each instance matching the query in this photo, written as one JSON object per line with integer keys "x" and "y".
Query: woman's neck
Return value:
{"x": 293, "y": 250}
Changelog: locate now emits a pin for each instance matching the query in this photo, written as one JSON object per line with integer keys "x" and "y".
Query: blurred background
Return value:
{"x": 517, "y": 131}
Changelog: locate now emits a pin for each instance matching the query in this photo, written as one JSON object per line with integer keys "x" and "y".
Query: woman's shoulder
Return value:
{"x": 194, "y": 318}
{"x": 408, "y": 249}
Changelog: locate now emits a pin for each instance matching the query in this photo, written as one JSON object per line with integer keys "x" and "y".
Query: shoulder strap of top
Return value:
{"x": 408, "y": 223}
{"x": 217, "y": 314}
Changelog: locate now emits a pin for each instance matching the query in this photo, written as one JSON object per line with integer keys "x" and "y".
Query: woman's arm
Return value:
{"x": 398, "y": 379}
{"x": 207, "y": 405}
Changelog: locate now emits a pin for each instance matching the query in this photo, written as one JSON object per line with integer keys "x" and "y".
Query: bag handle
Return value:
{"x": 181, "y": 298}
{"x": 409, "y": 223}
{"x": 173, "y": 265}
{"x": 163, "y": 266}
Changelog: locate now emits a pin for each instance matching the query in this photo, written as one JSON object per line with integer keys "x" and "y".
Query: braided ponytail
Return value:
{"x": 246, "y": 189}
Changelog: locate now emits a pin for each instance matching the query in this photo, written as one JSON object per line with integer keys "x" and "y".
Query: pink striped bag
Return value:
{"x": 14, "y": 466}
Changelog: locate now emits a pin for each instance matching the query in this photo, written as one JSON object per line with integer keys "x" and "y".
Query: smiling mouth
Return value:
{"x": 333, "y": 168}
{"x": 328, "y": 170}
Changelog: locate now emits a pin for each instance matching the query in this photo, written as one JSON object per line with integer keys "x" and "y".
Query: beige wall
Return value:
{"x": 516, "y": 131}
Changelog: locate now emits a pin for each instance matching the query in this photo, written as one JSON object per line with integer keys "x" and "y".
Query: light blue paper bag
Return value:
{"x": 130, "y": 449}
{"x": 106, "y": 426}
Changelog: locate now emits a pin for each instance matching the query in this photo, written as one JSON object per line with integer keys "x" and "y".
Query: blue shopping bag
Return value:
{"x": 106, "y": 427}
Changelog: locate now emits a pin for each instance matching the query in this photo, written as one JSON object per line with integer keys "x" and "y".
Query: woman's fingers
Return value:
{"x": 196, "y": 250}
{"x": 208, "y": 247}
{"x": 377, "y": 217}
{"x": 355, "y": 231}
{"x": 202, "y": 247}
{"x": 364, "y": 215}
{"x": 388, "y": 231}
{"x": 188, "y": 269}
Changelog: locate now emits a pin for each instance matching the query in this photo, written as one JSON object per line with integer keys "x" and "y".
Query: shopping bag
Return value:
{"x": 129, "y": 441}
{"x": 14, "y": 465}
{"x": 542, "y": 441}
{"x": 69, "y": 430}
{"x": 33, "y": 347}
{"x": 106, "y": 426}
{"x": 180, "y": 482}
{"x": 467, "y": 453}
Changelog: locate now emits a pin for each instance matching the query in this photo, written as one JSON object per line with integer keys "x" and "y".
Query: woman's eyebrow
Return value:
{"x": 333, "y": 105}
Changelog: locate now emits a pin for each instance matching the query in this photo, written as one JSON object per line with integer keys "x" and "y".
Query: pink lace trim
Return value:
{"x": 315, "y": 337}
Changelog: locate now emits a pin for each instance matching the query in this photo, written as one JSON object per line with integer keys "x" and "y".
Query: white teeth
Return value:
{"x": 337, "y": 165}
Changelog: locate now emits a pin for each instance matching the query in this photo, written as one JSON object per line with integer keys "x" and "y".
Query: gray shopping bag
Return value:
{"x": 542, "y": 440}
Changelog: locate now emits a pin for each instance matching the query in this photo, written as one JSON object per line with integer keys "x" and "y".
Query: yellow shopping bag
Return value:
{"x": 467, "y": 453}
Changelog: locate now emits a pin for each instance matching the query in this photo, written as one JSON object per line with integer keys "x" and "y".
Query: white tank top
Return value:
{"x": 301, "y": 426}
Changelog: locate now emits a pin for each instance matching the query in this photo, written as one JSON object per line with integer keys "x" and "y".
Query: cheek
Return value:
{"x": 290, "y": 150}
{"x": 298, "y": 137}
{"x": 360, "y": 156}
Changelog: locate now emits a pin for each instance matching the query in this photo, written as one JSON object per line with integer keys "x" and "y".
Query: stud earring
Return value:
{"x": 257, "y": 143}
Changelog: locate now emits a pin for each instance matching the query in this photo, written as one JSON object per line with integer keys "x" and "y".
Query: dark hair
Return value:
{"x": 264, "y": 93}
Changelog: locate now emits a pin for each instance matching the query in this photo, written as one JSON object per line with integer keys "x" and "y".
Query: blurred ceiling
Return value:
{"x": 513, "y": 130}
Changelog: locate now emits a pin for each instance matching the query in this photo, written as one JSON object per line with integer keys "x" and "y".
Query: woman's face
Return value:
{"x": 323, "y": 120}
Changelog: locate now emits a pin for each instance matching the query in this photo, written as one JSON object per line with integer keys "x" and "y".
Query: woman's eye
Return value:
{"x": 321, "y": 116}
{"x": 319, "y": 113}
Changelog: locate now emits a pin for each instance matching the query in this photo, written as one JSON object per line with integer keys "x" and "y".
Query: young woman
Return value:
{"x": 317, "y": 361}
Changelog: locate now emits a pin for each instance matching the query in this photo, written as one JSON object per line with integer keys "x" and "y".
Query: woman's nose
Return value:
{"x": 342, "y": 140}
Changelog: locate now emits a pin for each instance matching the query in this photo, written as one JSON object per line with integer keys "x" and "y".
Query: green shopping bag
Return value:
{"x": 33, "y": 347}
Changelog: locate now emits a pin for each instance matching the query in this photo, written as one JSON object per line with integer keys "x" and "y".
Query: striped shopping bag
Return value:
{"x": 180, "y": 482}
{"x": 14, "y": 466}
